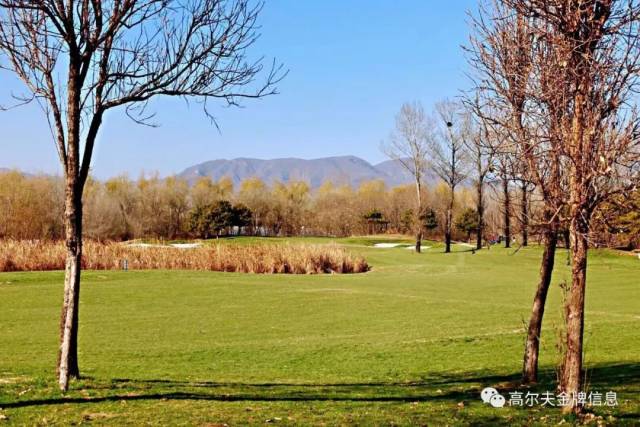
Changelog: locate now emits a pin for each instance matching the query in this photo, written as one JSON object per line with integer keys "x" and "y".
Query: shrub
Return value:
{"x": 36, "y": 255}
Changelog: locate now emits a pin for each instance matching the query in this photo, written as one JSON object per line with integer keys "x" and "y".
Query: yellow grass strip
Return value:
{"x": 32, "y": 255}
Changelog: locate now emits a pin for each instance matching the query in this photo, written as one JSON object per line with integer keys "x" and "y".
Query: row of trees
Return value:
{"x": 555, "y": 86}
{"x": 454, "y": 145}
{"x": 151, "y": 207}
{"x": 552, "y": 113}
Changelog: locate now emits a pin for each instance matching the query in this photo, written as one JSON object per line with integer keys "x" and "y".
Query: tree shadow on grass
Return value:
{"x": 435, "y": 388}
{"x": 431, "y": 381}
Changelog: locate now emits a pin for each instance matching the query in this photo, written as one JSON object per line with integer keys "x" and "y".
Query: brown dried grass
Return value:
{"x": 33, "y": 255}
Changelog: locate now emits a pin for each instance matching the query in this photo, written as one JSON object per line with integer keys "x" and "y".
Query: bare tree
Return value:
{"x": 500, "y": 50}
{"x": 80, "y": 59}
{"x": 505, "y": 174}
{"x": 595, "y": 45}
{"x": 450, "y": 158}
{"x": 481, "y": 154}
{"x": 409, "y": 146}
{"x": 580, "y": 116}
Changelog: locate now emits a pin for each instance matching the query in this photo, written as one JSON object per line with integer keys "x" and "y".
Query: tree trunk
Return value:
{"x": 507, "y": 212}
{"x": 480, "y": 211}
{"x": 532, "y": 346}
{"x": 447, "y": 231}
{"x": 567, "y": 244}
{"x": 571, "y": 378}
{"x": 418, "y": 224}
{"x": 449, "y": 220}
{"x": 447, "y": 239}
{"x": 74, "y": 183}
{"x": 525, "y": 215}
{"x": 68, "y": 354}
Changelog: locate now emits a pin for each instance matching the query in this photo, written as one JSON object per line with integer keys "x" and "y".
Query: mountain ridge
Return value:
{"x": 350, "y": 170}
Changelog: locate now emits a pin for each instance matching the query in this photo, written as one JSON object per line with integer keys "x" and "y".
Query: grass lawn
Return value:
{"x": 411, "y": 342}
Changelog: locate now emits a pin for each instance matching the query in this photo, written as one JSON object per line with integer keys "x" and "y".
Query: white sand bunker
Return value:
{"x": 388, "y": 245}
{"x": 407, "y": 246}
{"x": 413, "y": 247}
{"x": 172, "y": 245}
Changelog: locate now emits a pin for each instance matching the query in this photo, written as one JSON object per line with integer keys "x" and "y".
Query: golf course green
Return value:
{"x": 413, "y": 341}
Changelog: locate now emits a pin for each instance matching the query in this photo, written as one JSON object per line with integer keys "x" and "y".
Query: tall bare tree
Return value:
{"x": 409, "y": 145}
{"x": 450, "y": 160}
{"x": 529, "y": 143}
{"x": 505, "y": 175}
{"x": 545, "y": 168}
{"x": 584, "y": 127}
{"x": 481, "y": 154}
{"x": 596, "y": 45}
{"x": 81, "y": 58}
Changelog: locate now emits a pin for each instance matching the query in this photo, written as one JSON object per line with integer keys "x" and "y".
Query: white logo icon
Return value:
{"x": 490, "y": 395}
{"x": 497, "y": 401}
{"x": 487, "y": 393}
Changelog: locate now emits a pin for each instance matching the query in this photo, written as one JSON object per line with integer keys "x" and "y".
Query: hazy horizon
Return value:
{"x": 146, "y": 172}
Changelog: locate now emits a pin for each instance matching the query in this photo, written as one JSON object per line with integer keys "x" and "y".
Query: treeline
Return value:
{"x": 31, "y": 207}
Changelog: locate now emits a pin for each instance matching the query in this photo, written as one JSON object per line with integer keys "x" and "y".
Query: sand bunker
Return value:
{"x": 388, "y": 245}
{"x": 172, "y": 245}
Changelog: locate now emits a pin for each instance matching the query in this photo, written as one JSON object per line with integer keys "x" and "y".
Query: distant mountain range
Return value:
{"x": 339, "y": 170}
{"x": 350, "y": 170}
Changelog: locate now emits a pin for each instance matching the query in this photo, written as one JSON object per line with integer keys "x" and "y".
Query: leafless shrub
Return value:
{"x": 33, "y": 255}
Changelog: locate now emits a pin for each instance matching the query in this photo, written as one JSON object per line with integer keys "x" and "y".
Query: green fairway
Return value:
{"x": 413, "y": 341}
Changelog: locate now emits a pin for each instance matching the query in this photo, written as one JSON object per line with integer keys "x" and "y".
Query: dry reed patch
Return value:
{"x": 258, "y": 258}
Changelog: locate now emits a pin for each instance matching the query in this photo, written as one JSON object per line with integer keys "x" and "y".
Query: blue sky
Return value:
{"x": 352, "y": 64}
